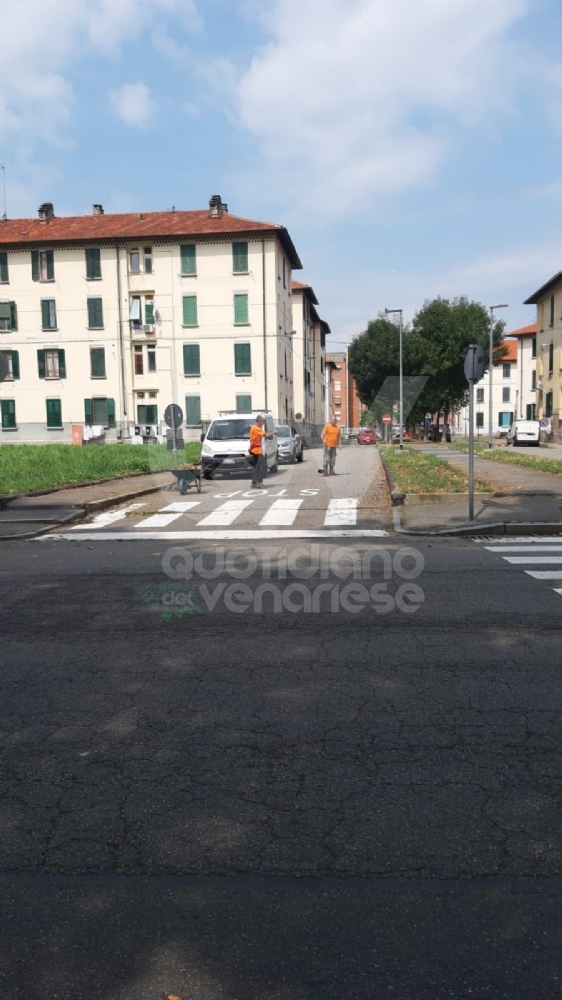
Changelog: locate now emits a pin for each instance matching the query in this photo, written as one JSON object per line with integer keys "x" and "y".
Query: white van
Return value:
{"x": 523, "y": 432}
{"x": 226, "y": 445}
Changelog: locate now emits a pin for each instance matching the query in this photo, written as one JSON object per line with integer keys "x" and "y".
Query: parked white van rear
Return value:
{"x": 226, "y": 445}
{"x": 523, "y": 432}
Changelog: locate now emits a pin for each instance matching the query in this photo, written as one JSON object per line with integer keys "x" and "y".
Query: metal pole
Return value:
{"x": 401, "y": 387}
{"x": 491, "y": 379}
{"x": 471, "y": 450}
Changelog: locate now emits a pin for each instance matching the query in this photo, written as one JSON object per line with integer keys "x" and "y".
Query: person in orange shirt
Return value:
{"x": 257, "y": 433}
{"x": 331, "y": 437}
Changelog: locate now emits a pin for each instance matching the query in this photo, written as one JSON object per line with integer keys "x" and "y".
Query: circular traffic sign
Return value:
{"x": 4, "y": 366}
{"x": 387, "y": 419}
{"x": 173, "y": 415}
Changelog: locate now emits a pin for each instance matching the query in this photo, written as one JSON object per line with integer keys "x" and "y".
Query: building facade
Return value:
{"x": 309, "y": 359}
{"x": 514, "y": 388}
{"x": 107, "y": 319}
{"x": 344, "y": 399}
{"x": 548, "y": 302}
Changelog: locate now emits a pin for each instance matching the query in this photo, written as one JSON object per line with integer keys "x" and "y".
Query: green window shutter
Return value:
{"x": 13, "y": 316}
{"x": 191, "y": 359}
{"x": 97, "y": 362}
{"x": 15, "y": 364}
{"x": 534, "y": 347}
{"x": 149, "y": 311}
{"x": 188, "y": 259}
{"x": 240, "y": 258}
{"x": 111, "y": 412}
{"x": 8, "y": 414}
{"x": 4, "y": 277}
{"x": 41, "y": 363}
{"x": 95, "y": 314}
{"x": 54, "y": 413}
{"x": 88, "y": 412}
{"x": 93, "y": 264}
{"x": 62, "y": 364}
{"x": 152, "y": 414}
{"x": 193, "y": 411}
{"x": 5, "y": 311}
{"x": 190, "y": 310}
{"x": 243, "y": 404}
{"x": 50, "y": 264}
{"x": 241, "y": 309}
{"x": 35, "y": 265}
{"x": 49, "y": 314}
{"x": 242, "y": 359}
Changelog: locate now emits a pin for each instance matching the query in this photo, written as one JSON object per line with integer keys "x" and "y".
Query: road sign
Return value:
{"x": 4, "y": 366}
{"x": 173, "y": 415}
{"x": 474, "y": 363}
{"x": 387, "y": 419}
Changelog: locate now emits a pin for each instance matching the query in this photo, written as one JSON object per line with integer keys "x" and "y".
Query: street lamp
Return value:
{"x": 401, "y": 379}
{"x": 491, "y": 373}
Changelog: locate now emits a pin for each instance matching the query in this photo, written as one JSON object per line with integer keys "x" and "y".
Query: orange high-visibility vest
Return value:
{"x": 256, "y": 434}
{"x": 331, "y": 436}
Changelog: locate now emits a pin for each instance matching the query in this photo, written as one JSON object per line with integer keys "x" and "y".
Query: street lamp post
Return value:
{"x": 401, "y": 379}
{"x": 503, "y": 305}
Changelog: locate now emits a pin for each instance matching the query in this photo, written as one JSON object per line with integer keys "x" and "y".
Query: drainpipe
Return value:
{"x": 121, "y": 341}
{"x": 264, "y": 307}
{"x": 521, "y": 375}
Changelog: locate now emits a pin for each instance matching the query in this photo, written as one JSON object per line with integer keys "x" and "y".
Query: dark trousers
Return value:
{"x": 260, "y": 469}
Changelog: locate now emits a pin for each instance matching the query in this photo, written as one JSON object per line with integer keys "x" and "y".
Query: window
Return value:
{"x": 193, "y": 411}
{"x": 530, "y": 411}
{"x": 95, "y": 314}
{"x": 506, "y": 370}
{"x": 550, "y": 358}
{"x": 552, "y": 310}
{"x": 548, "y": 404}
{"x": 322, "y": 365}
{"x": 4, "y": 274}
{"x": 8, "y": 316}
{"x": 139, "y": 360}
{"x": 286, "y": 376}
{"x": 97, "y": 362}
{"x": 284, "y": 273}
{"x": 337, "y": 401}
{"x": 533, "y": 379}
{"x": 54, "y": 412}
{"x": 534, "y": 347}
{"x": 188, "y": 259}
{"x": 191, "y": 359}
{"x": 42, "y": 265}
{"x": 505, "y": 419}
{"x": 505, "y": 394}
{"x": 479, "y": 419}
{"x": 337, "y": 384}
{"x": 147, "y": 414}
{"x": 93, "y": 264}
{"x": 242, "y": 359}
{"x": 190, "y": 310}
{"x": 240, "y": 258}
{"x": 243, "y": 404}
{"x": 99, "y": 411}
{"x": 149, "y": 310}
{"x": 13, "y": 364}
{"x": 8, "y": 415}
{"x": 51, "y": 363}
{"x": 148, "y": 260}
{"x": 134, "y": 262}
{"x": 48, "y": 314}
{"x": 151, "y": 357}
{"x": 135, "y": 312}
{"x": 479, "y": 395}
{"x": 241, "y": 310}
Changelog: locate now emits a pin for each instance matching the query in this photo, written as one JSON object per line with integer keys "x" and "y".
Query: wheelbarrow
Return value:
{"x": 188, "y": 475}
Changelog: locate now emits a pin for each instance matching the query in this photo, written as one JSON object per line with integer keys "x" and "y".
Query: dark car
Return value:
{"x": 366, "y": 436}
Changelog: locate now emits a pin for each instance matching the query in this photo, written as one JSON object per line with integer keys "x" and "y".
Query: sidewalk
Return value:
{"x": 25, "y": 517}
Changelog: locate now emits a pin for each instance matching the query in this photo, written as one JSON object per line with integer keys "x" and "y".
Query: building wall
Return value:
{"x": 518, "y": 384}
{"x": 549, "y": 332}
{"x": 344, "y": 400}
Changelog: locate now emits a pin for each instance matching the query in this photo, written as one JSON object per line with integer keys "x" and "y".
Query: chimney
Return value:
{"x": 46, "y": 211}
{"x": 97, "y": 209}
{"x": 217, "y": 207}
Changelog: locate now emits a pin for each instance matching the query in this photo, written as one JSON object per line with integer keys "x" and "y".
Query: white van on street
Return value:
{"x": 226, "y": 445}
{"x": 523, "y": 432}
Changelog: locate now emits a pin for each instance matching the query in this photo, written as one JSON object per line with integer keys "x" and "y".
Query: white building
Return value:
{"x": 309, "y": 359}
{"x": 514, "y": 387}
{"x": 106, "y": 319}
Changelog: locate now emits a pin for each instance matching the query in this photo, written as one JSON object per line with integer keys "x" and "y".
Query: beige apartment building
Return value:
{"x": 548, "y": 300}
{"x": 107, "y": 319}
{"x": 309, "y": 359}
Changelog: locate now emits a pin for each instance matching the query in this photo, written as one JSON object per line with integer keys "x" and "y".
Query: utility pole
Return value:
{"x": 401, "y": 377}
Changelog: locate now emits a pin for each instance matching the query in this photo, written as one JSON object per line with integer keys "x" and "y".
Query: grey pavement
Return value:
{"x": 341, "y": 802}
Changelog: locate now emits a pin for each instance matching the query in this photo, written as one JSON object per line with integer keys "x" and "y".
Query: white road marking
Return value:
{"x": 557, "y": 590}
{"x": 544, "y": 574}
{"x": 526, "y": 539}
{"x": 167, "y": 515}
{"x": 537, "y": 560}
{"x": 217, "y": 536}
{"x": 341, "y": 512}
{"x": 111, "y": 516}
{"x": 179, "y": 507}
{"x": 282, "y": 512}
{"x": 226, "y": 513}
{"x": 524, "y": 548}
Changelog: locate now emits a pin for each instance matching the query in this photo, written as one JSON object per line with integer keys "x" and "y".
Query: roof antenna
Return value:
{"x": 3, "y": 169}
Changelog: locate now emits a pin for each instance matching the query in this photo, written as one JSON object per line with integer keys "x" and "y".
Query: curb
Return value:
{"x": 497, "y": 528}
{"x": 7, "y": 498}
{"x": 396, "y": 495}
{"x": 75, "y": 515}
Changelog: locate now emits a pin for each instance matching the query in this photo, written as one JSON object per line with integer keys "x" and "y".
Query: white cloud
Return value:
{"x": 354, "y": 99}
{"x": 134, "y": 104}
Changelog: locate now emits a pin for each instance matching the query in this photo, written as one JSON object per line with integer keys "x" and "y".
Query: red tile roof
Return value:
{"x": 510, "y": 352}
{"x": 135, "y": 225}
{"x": 524, "y": 331}
{"x": 300, "y": 286}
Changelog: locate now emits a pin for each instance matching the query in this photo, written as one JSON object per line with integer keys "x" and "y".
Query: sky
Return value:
{"x": 411, "y": 147}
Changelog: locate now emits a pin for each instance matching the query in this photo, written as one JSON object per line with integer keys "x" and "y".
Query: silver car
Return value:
{"x": 289, "y": 444}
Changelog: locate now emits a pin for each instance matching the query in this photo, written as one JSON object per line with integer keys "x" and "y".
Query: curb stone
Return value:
{"x": 396, "y": 495}
{"x": 496, "y": 528}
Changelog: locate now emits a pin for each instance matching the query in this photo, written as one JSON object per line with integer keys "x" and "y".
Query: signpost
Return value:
{"x": 387, "y": 420}
{"x": 173, "y": 417}
{"x": 473, "y": 370}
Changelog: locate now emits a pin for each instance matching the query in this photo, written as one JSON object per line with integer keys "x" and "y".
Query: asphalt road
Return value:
{"x": 327, "y": 800}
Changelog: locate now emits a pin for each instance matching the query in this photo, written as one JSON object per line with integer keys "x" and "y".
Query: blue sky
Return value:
{"x": 413, "y": 147}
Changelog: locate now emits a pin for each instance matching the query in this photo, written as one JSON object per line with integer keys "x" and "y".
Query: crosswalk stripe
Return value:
{"x": 226, "y": 513}
{"x": 520, "y": 540}
{"x": 537, "y": 560}
{"x": 110, "y": 517}
{"x": 199, "y": 536}
{"x": 558, "y": 590}
{"x": 179, "y": 507}
{"x": 544, "y": 574}
{"x": 524, "y": 548}
{"x": 282, "y": 512}
{"x": 167, "y": 515}
{"x": 341, "y": 512}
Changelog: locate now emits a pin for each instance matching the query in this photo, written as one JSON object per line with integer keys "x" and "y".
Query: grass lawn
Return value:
{"x": 419, "y": 473}
{"x": 516, "y": 456}
{"x": 26, "y": 467}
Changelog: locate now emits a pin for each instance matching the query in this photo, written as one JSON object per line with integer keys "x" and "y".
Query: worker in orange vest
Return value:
{"x": 331, "y": 438}
{"x": 257, "y": 434}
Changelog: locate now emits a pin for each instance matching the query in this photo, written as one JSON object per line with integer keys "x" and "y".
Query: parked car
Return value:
{"x": 290, "y": 444}
{"x": 366, "y": 436}
{"x": 523, "y": 432}
{"x": 226, "y": 444}
{"x": 435, "y": 433}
